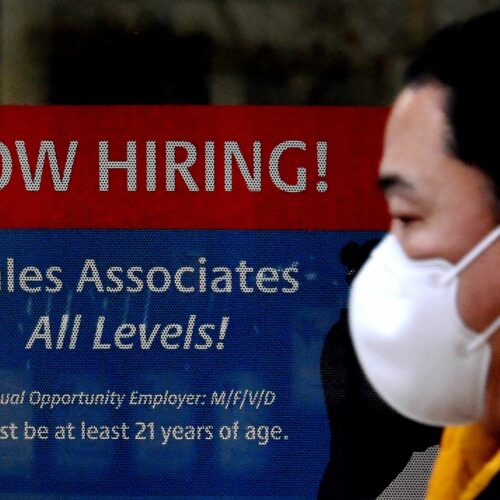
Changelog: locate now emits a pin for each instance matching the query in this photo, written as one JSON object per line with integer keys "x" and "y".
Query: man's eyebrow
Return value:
{"x": 389, "y": 182}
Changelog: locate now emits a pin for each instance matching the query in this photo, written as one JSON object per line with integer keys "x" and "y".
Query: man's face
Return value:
{"x": 441, "y": 207}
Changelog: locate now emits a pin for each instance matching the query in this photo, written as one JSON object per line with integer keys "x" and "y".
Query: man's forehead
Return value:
{"x": 415, "y": 140}
{"x": 419, "y": 111}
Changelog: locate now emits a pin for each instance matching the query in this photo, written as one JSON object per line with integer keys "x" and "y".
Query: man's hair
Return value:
{"x": 465, "y": 58}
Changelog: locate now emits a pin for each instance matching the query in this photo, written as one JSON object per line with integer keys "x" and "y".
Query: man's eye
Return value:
{"x": 406, "y": 220}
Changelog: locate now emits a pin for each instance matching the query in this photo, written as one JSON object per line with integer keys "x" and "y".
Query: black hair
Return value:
{"x": 354, "y": 255}
{"x": 465, "y": 58}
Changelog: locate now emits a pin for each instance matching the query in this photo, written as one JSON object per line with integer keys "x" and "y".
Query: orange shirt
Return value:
{"x": 468, "y": 460}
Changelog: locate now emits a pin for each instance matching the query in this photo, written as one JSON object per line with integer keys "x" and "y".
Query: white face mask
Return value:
{"x": 410, "y": 340}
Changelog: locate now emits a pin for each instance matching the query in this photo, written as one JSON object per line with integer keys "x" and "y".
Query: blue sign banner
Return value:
{"x": 143, "y": 363}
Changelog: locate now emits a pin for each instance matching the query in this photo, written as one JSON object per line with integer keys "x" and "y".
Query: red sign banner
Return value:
{"x": 191, "y": 167}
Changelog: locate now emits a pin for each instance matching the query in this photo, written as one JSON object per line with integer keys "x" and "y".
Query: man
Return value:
{"x": 425, "y": 309}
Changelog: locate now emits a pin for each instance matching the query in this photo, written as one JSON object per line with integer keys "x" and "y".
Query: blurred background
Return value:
{"x": 283, "y": 52}
{"x": 293, "y": 52}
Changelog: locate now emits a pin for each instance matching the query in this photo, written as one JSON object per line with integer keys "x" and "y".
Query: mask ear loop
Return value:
{"x": 484, "y": 336}
{"x": 472, "y": 255}
{"x": 459, "y": 267}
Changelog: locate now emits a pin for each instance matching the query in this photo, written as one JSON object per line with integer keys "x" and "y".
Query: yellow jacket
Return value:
{"x": 468, "y": 460}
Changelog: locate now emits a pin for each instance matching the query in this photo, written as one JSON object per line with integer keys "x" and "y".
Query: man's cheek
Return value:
{"x": 478, "y": 298}
{"x": 417, "y": 241}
